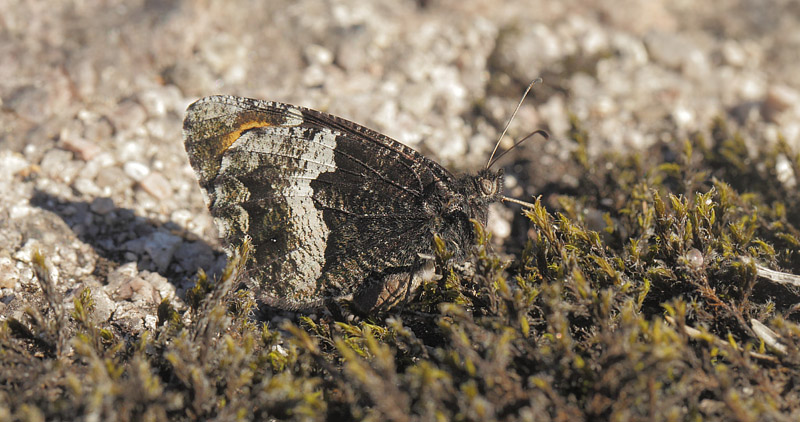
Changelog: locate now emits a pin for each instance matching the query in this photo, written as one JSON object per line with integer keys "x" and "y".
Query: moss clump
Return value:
{"x": 642, "y": 297}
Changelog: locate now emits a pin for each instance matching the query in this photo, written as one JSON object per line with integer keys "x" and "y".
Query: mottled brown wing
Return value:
{"x": 327, "y": 203}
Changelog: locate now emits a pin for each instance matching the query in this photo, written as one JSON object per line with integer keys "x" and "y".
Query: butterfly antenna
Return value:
{"x": 505, "y": 129}
{"x": 543, "y": 133}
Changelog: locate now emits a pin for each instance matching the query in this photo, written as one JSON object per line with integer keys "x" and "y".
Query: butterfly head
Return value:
{"x": 489, "y": 185}
{"x": 482, "y": 189}
{"x": 468, "y": 198}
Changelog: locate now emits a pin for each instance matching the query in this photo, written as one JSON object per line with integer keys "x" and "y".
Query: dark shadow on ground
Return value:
{"x": 119, "y": 236}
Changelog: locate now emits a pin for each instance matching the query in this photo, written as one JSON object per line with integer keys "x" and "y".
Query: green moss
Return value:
{"x": 644, "y": 314}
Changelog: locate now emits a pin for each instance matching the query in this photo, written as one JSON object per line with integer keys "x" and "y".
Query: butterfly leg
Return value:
{"x": 380, "y": 293}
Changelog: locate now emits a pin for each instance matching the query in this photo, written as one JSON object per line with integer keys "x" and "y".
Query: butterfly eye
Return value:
{"x": 488, "y": 187}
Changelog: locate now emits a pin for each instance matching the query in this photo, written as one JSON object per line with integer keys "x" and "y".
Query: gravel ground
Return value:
{"x": 92, "y": 167}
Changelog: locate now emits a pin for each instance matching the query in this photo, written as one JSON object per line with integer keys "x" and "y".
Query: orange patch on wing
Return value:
{"x": 231, "y": 137}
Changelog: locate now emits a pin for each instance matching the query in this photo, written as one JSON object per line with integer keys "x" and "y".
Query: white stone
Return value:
{"x": 136, "y": 170}
{"x": 784, "y": 171}
{"x": 317, "y": 54}
{"x": 19, "y": 211}
{"x": 9, "y": 275}
{"x": 10, "y": 164}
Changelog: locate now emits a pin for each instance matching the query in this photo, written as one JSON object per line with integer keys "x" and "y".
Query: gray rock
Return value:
{"x": 159, "y": 247}
{"x": 193, "y": 255}
{"x": 125, "y": 283}
{"x": 102, "y": 206}
{"x": 104, "y": 307}
{"x": 119, "y": 277}
{"x": 163, "y": 288}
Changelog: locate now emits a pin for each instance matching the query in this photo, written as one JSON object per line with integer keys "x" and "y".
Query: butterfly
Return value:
{"x": 332, "y": 210}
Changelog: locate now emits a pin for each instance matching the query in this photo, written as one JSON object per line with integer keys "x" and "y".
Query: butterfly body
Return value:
{"x": 333, "y": 209}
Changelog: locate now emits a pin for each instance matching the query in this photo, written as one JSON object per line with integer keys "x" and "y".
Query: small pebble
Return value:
{"x": 136, "y": 171}
{"x": 83, "y": 149}
{"x": 112, "y": 180}
{"x": 784, "y": 171}
{"x": 156, "y": 185}
{"x": 695, "y": 258}
{"x": 102, "y": 205}
{"x": 779, "y": 99}
{"x": 9, "y": 275}
{"x": 317, "y": 54}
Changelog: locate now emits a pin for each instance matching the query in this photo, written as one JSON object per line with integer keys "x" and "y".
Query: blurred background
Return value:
{"x": 93, "y": 92}
{"x": 439, "y": 75}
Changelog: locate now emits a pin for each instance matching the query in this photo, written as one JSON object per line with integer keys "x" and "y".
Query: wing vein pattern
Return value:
{"x": 326, "y": 201}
